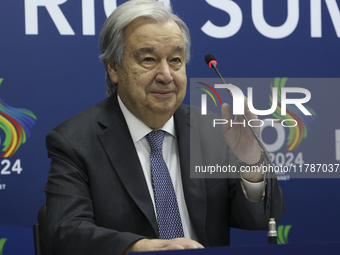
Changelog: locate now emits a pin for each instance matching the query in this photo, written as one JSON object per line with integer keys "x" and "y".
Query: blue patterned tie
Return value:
{"x": 168, "y": 217}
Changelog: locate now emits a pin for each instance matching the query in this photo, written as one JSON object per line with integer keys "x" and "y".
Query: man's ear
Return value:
{"x": 112, "y": 71}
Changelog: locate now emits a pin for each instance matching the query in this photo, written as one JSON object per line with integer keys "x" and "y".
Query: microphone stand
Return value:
{"x": 272, "y": 233}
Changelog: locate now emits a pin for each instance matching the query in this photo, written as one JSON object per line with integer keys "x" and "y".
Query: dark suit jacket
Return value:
{"x": 97, "y": 197}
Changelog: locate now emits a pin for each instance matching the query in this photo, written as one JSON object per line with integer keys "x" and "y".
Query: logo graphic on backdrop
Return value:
{"x": 282, "y": 234}
{"x": 300, "y": 131}
{"x": 288, "y": 141}
{"x": 2, "y": 243}
{"x": 15, "y": 124}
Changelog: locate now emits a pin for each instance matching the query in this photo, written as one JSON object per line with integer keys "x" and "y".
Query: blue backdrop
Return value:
{"x": 50, "y": 70}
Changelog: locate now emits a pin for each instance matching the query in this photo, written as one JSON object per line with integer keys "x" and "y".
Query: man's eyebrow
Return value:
{"x": 141, "y": 51}
{"x": 144, "y": 50}
{"x": 178, "y": 48}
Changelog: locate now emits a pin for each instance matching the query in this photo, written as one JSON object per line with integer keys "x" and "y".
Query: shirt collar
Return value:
{"x": 138, "y": 129}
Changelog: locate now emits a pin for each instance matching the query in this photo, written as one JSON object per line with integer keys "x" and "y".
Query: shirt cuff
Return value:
{"x": 254, "y": 192}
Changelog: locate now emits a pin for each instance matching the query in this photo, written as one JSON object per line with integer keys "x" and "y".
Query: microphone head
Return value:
{"x": 210, "y": 59}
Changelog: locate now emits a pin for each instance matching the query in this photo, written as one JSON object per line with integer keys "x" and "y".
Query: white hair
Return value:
{"x": 111, "y": 37}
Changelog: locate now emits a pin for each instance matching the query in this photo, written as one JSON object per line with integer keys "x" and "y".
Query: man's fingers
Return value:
{"x": 173, "y": 247}
{"x": 226, "y": 112}
{"x": 186, "y": 243}
{"x": 158, "y": 245}
{"x": 247, "y": 112}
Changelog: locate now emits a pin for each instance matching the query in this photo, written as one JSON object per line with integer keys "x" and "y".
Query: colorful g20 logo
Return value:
{"x": 15, "y": 124}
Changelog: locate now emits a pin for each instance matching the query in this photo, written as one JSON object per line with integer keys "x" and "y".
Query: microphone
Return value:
{"x": 272, "y": 237}
{"x": 210, "y": 59}
{"x": 212, "y": 63}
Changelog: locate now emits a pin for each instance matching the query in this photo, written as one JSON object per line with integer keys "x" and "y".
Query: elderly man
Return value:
{"x": 119, "y": 178}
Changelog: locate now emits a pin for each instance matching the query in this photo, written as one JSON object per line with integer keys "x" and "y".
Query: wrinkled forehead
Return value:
{"x": 147, "y": 25}
{"x": 144, "y": 30}
{"x": 148, "y": 36}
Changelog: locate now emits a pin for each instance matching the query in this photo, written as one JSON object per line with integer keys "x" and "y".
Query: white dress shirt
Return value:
{"x": 138, "y": 131}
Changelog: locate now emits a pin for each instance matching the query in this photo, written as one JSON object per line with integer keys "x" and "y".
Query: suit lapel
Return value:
{"x": 117, "y": 142}
{"x": 194, "y": 189}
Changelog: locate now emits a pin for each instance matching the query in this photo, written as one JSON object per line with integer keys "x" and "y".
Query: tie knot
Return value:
{"x": 156, "y": 140}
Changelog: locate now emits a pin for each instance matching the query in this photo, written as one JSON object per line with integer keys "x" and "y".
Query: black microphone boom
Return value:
{"x": 212, "y": 63}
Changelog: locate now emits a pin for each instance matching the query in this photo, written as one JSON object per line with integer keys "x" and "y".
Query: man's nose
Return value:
{"x": 164, "y": 74}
